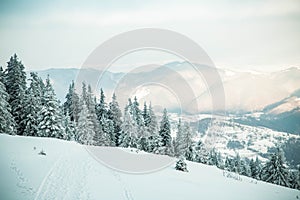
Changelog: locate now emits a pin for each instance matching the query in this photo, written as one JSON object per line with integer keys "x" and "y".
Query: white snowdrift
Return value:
{"x": 68, "y": 171}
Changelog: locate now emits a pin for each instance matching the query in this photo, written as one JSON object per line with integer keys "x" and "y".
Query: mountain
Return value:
{"x": 254, "y": 98}
{"x": 67, "y": 170}
{"x": 283, "y": 115}
{"x": 245, "y": 91}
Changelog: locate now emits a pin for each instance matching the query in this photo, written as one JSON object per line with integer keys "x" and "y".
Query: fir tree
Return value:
{"x": 165, "y": 145}
{"x": 2, "y": 76}
{"x": 15, "y": 82}
{"x": 69, "y": 128}
{"x": 49, "y": 118}
{"x": 108, "y": 129}
{"x": 137, "y": 113}
{"x": 7, "y": 123}
{"x": 115, "y": 115}
{"x": 201, "y": 153}
{"x": 152, "y": 121}
{"x": 254, "y": 168}
{"x": 237, "y": 167}
{"x": 85, "y": 131}
{"x": 128, "y": 137}
{"x": 181, "y": 165}
{"x": 186, "y": 143}
{"x": 275, "y": 170}
{"x": 178, "y": 141}
{"x": 32, "y": 105}
{"x": 101, "y": 107}
{"x": 71, "y": 105}
{"x": 146, "y": 115}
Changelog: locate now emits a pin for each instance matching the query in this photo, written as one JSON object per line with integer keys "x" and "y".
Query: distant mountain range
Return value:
{"x": 255, "y": 98}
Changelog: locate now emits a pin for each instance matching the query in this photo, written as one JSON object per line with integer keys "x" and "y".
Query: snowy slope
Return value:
{"x": 68, "y": 171}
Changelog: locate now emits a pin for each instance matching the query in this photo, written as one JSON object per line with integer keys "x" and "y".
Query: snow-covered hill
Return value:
{"x": 68, "y": 171}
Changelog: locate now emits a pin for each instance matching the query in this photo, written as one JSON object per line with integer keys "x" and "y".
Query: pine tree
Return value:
{"x": 99, "y": 128}
{"x": 245, "y": 168}
{"x": 152, "y": 122}
{"x": 181, "y": 165}
{"x": 128, "y": 137}
{"x": 32, "y": 105}
{"x": 49, "y": 117}
{"x": 138, "y": 117}
{"x": 7, "y": 123}
{"x": 187, "y": 142}
{"x": 146, "y": 115}
{"x": 2, "y": 76}
{"x": 254, "y": 168}
{"x": 165, "y": 145}
{"x": 137, "y": 113}
{"x": 237, "y": 167}
{"x": 229, "y": 164}
{"x": 184, "y": 143}
{"x": 178, "y": 141}
{"x": 214, "y": 158}
{"x": 69, "y": 128}
{"x": 15, "y": 82}
{"x": 71, "y": 105}
{"x": 274, "y": 170}
{"x": 101, "y": 107}
{"x": 115, "y": 115}
{"x": 201, "y": 153}
{"x": 85, "y": 131}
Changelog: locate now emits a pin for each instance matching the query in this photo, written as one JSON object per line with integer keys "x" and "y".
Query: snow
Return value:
{"x": 69, "y": 171}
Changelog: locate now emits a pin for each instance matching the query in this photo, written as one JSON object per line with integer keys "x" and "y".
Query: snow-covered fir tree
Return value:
{"x": 184, "y": 142}
{"x": 115, "y": 115}
{"x": 237, "y": 167}
{"x": 245, "y": 168}
{"x": 129, "y": 133}
{"x": 201, "y": 153}
{"x": 152, "y": 121}
{"x": 71, "y": 105}
{"x": 69, "y": 128}
{"x": 86, "y": 132}
{"x": 178, "y": 140}
{"x": 146, "y": 115}
{"x": 107, "y": 127}
{"x": 32, "y": 105}
{"x": 138, "y": 117}
{"x": 2, "y": 76}
{"x": 137, "y": 113}
{"x": 275, "y": 171}
{"x": 100, "y": 136}
{"x": 254, "y": 168}
{"x": 49, "y": 117}
{"x": 101, "y": 107}
{"x": 181, "y": 165}
{"x": 15, "y": 82}
{"x": 7, "y": 123}
{"x": 165, "y": 140}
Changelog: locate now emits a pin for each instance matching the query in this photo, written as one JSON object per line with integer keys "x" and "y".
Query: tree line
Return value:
{"x": 33, "y": 110}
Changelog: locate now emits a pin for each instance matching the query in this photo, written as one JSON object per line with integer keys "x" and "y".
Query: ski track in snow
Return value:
{"x": 62, "y": 183}
{"x": 68, "y": 178}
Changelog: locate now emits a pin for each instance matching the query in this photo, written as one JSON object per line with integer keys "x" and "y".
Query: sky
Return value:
{"x": 245, "y": 35}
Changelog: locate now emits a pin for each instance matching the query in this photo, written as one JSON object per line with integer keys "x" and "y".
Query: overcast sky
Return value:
{"x": 246, "y": 35}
